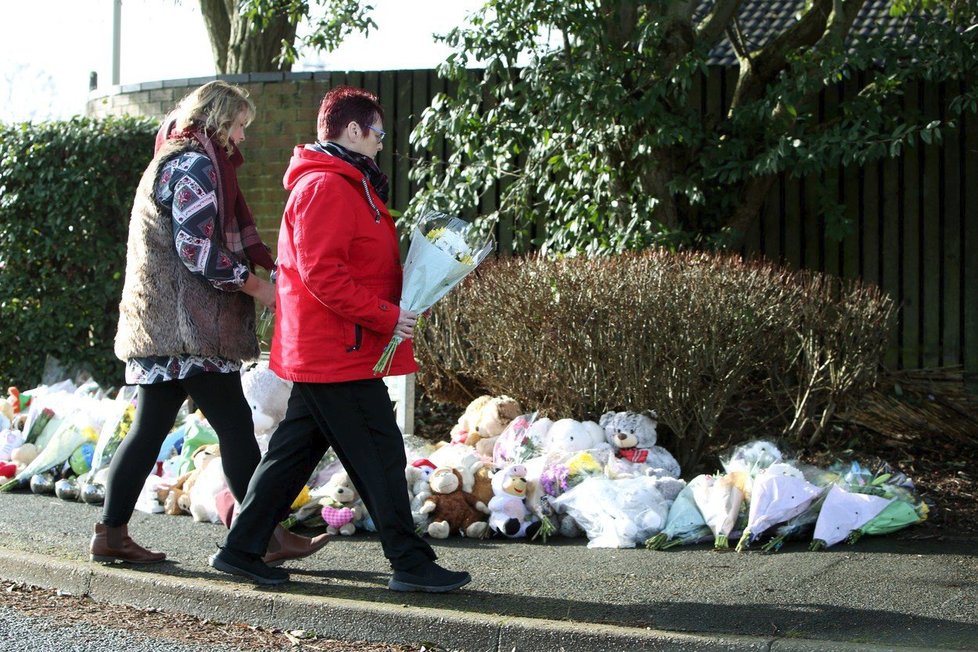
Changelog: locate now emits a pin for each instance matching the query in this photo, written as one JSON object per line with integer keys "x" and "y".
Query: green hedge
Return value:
{"x": 66, "y": 190}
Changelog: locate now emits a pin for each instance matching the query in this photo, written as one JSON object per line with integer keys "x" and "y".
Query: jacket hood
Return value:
{"x": 305, "y": 160}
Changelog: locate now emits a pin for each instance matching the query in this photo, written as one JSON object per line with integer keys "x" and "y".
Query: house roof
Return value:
{"x": 762, "y": 20}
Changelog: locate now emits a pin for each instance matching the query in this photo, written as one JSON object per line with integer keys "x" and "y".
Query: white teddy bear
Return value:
{"x": 342, "y": 508}
{"x": 633, "y": 437}
{"x": 416, "y": 474}
{"x": 268, "y": 397}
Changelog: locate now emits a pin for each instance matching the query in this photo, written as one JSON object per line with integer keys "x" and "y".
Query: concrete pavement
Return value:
{"x": 889, "y": 593}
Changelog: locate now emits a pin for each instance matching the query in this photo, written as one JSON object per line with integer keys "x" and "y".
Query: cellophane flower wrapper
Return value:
{"x": 516, "y": 444}
{"x": 778, "y": 493}
{"x": 842, "y": 513}
{"x": 265, "y": 327}
{"x": 615, "y": 513}
{"x": 749, "y": 460}
{"x": 895, "y": 516}
{"x": 719, "y": 501}
{"x": 63, "y": 443}
{"x": 443, "y": 251}
{"x": 118, "y": 421}
{"x": 684, "y": 523}
{"x": 563, "y": 473}
{"x": 802, "y": 525}
{"x": 906, "y": 509}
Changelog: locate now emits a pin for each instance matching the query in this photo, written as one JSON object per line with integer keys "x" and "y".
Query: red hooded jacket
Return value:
{"x": 339, "y": 276}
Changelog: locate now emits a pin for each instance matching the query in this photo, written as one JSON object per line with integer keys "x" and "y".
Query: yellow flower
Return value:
{"x": 301, "y": 499}
{"x": 583, "y": 463}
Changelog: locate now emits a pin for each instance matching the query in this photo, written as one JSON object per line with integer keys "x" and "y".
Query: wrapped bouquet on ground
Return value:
{"x": 779, "y": 493}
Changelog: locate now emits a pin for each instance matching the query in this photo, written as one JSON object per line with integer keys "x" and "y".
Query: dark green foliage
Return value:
{"x": 693, "y": 336}
{"x": 589, "y": 117}
{"x": 66, "y": 189}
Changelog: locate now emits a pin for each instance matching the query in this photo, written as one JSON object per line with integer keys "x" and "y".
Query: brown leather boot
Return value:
{"x": 285, "y": 545}
{"x": 113, "y": 544}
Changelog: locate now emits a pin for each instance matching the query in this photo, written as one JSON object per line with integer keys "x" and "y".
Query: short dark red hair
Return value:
{"x": 343, "y": 105}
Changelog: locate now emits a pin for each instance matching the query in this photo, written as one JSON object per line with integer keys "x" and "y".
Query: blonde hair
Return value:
{"x": 214, "y": 107}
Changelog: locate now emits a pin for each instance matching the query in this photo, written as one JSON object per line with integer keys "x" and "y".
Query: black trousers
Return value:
{"x": 219, "y": 397}
{"x": 357, "y": 419}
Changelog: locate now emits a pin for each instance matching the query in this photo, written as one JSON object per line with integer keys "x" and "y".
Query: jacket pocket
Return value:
{"x": 353, "y": 343}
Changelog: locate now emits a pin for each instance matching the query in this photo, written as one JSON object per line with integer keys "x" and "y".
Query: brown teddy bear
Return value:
{"x": 483, "y": 421}
{"x": 175, "y": 497}
{"x": 482, "y": 484}
{"x": 451, "y": 508}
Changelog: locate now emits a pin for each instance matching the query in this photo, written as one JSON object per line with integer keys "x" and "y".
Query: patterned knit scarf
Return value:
{"x": 361, "y": 162}
{"x": 237, "y": 224}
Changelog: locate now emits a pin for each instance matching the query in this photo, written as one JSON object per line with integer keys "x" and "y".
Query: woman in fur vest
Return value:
{"x": 187, "y": 314}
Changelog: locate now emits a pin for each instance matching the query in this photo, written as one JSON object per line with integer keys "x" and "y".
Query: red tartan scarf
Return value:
{"x": 637, "y": 455}
{"x": 237, "y": 224}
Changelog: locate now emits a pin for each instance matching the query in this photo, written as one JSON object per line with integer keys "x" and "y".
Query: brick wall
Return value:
{"x": 287, "y": 104}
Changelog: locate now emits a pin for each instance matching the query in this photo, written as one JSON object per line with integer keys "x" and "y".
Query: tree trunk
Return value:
{"x": 239, "y": 45}
{"x": 215, "y": 13}
{"x": 253, "y": 49}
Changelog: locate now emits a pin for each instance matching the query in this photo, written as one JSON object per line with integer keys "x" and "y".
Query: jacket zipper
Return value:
{"x": 357, "y": 339}
{"x": 370, "y": 200}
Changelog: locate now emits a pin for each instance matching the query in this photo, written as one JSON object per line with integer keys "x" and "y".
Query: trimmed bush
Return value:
{"x": 66, "y": 189}
{"x": 689, "y": 335}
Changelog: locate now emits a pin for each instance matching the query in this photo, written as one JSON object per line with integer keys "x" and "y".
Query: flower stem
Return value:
{"x": 387, "y": 357}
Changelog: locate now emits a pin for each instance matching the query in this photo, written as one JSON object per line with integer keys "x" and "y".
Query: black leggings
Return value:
{"x": 219, "y": 397}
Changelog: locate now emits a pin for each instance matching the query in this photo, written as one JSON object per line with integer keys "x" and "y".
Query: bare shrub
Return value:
{"x": 835, "y": 338}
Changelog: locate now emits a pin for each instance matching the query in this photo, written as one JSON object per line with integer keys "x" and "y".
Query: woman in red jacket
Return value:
{"x": 338, "y": 288}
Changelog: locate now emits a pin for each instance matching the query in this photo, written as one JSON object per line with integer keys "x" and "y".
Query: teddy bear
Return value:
{"x": 201, "y": 498}
{"x": 482, "y": 484}
{"x": 461, "y": 457}
{"x": 633, "y": 438}
{"x": 451, "y": 509}
{"x": 175, "y": 496}
{"x": 416, "y": 473}
{"x": 468, "y": 420}
{"x": 560, "y": 441}
{"x": 341, "y": 505}
{"x": 508, "y": 513}
{"x": 483, "y": 421}
{"x": 268, "y": 397}
{"x": 21, "y": 453}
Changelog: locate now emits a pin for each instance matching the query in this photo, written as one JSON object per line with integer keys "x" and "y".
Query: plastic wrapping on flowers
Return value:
{"x": 685, "y": 523}
{"x": 616, "y": 513}
{"x": 779, "y": 493}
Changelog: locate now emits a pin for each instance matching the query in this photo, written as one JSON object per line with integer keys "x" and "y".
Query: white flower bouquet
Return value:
{"x": 779, "y": 493}
{"x": 443, "y": 251}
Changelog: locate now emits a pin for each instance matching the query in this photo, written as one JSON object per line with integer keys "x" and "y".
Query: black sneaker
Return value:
{"x": 430, "y": 577}
{"x": 250, "y": 566}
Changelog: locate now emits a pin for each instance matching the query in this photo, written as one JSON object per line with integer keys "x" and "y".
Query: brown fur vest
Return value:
{"x": 165, "y": 309}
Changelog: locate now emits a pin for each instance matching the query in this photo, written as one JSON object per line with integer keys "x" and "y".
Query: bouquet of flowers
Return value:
{"x": 443, "y": 251}
{"x": 779, "y": 493}
{"x": 685, "y": 523}
{"x": 720, "y": 499}
{"x": 842, "y": 513}
{"x": 64, "y": 442}
{"x": 114, "y": 429}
